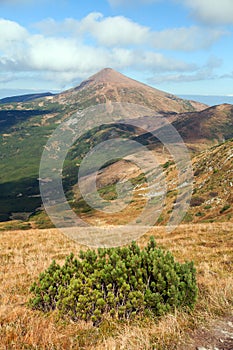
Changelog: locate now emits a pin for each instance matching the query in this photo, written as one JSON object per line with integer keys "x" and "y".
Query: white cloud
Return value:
{"x": 211, "y": 11}
{"x": 108, "y": 31}
{"x": 182, "y": 78}
{"x": 207, "y": 11}
{"x": 6, "y": 77}
{"x": 186, "y": 39}
{"x": 204, "y": 73}
{"x": 147, "y": 60}
{"x": 113, "y": 31}
{"x": 76, "y": 49}
{"x": 11, "y": 33}
{"x": 121, "y": 31}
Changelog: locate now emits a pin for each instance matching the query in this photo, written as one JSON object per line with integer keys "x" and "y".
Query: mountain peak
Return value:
{"x": 109, "y": 75}
{"x": 110, "y": 85}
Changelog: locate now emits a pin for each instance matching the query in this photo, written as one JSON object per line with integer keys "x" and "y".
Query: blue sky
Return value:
{"x": 179, "y": 46}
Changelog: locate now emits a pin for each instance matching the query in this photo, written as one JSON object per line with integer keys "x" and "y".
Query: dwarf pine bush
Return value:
{"x": 120, "y": 282}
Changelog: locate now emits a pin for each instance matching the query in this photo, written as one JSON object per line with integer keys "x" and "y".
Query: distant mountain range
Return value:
{"x": 13, "y": 96}
{"x": 24, "y": 98}
{"x": 209, "y": 99}
{"x": 26, "y": 122}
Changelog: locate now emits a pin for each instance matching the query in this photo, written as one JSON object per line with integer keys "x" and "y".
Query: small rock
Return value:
{"x": 201, "y": 348}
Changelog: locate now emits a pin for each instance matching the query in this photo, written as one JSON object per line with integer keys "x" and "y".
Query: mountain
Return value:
{"x": 213, "y": 188}
{"x": 25, "y": 127}
{"x": 109, "y": 84}
{"x": 210, "y": 126}
{"x": 212, "y": 195}
{"x": 25, "y": 98}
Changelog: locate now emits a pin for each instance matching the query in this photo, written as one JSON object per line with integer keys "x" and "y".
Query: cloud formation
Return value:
{"x": 66, "y": 58}
{"x": 211, "y": 11}
{"x": 207, "y": 11}
{"x": 203, "y": 73}
{"x": 69, "y": 50}
{"x": 108, "y": 31}
{"x": 186, "y": 38}
{"x": 11, "y": 34}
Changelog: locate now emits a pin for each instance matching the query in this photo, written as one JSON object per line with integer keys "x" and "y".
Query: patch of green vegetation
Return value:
{"x": 199, "y": 214}
{"x": 81, "y": 206}
{"x": 160, "y": 219}
{"x": 108, "y": 192}
{"x": 138, "y": 180}
{"x": 41, "y": 220}
{"x": 224, "y": 208}
{"x": 188, "y": 217}
{"x": 172, "y": 193}
{"x": 167, "y": 164}
{"x": 119, "y": 282}
{"x": 12, "y": 118}
{"x": 19, "y": 196}
{"x": 15, "y": 225}
{"x": 22, "y": 142}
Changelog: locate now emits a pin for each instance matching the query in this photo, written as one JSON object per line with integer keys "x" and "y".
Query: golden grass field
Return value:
{"x": 24, "y": 254}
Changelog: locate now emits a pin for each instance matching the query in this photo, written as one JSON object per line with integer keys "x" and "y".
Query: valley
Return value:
{"x": 27, "y": 125}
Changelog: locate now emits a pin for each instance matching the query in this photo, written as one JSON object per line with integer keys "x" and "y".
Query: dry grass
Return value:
{"x": 24, "y": 254}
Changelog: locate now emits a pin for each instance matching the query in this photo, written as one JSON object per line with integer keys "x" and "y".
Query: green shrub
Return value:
{"x": 208, "y": 206}
{"x": 188, "y": 217}
{"x": 224, "y": 208}
{"x": 121, "y": 282}
{"x": 199, "y": 214}
{"x": 167, "y": 164}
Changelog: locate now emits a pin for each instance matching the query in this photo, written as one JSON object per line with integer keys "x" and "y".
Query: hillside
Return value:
{"x": 213, "y": 125}
{"x": 212, "y": 198}
{"x": 211, "y": 201}
{"x": 24, "y": 98}
{"x": 204, "y": 236}
{"x": 26, "y": 126}
{"x": 110, "y": 85}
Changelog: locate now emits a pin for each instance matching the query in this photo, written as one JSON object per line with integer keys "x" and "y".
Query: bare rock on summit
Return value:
{"x": 110, "y": 85}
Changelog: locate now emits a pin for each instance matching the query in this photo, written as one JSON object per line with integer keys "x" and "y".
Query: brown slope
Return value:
{"x": 213, "y": 185}
{"x": 212, "y": 198}
{"x": 110, "y": 85}
{"x": 207, "y": 127}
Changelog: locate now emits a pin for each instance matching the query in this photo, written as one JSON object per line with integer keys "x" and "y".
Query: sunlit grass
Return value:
{"x": 24, "y": 254}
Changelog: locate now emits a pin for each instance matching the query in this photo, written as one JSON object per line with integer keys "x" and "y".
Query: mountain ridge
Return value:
{"x": 25, "y": 97}
{"x": 26, "y": 127}
{"x": 109, "y": 84}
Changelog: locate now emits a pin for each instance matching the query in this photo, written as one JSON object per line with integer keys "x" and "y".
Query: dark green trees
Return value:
{"x": 121, "y": 282}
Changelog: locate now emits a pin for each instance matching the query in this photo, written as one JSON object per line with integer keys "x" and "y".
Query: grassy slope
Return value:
{"x": 211, "y": 201}
{"x": 25, "y": 254}
{"x": 25, "y": 128}
{"x": 212, "y": 189}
